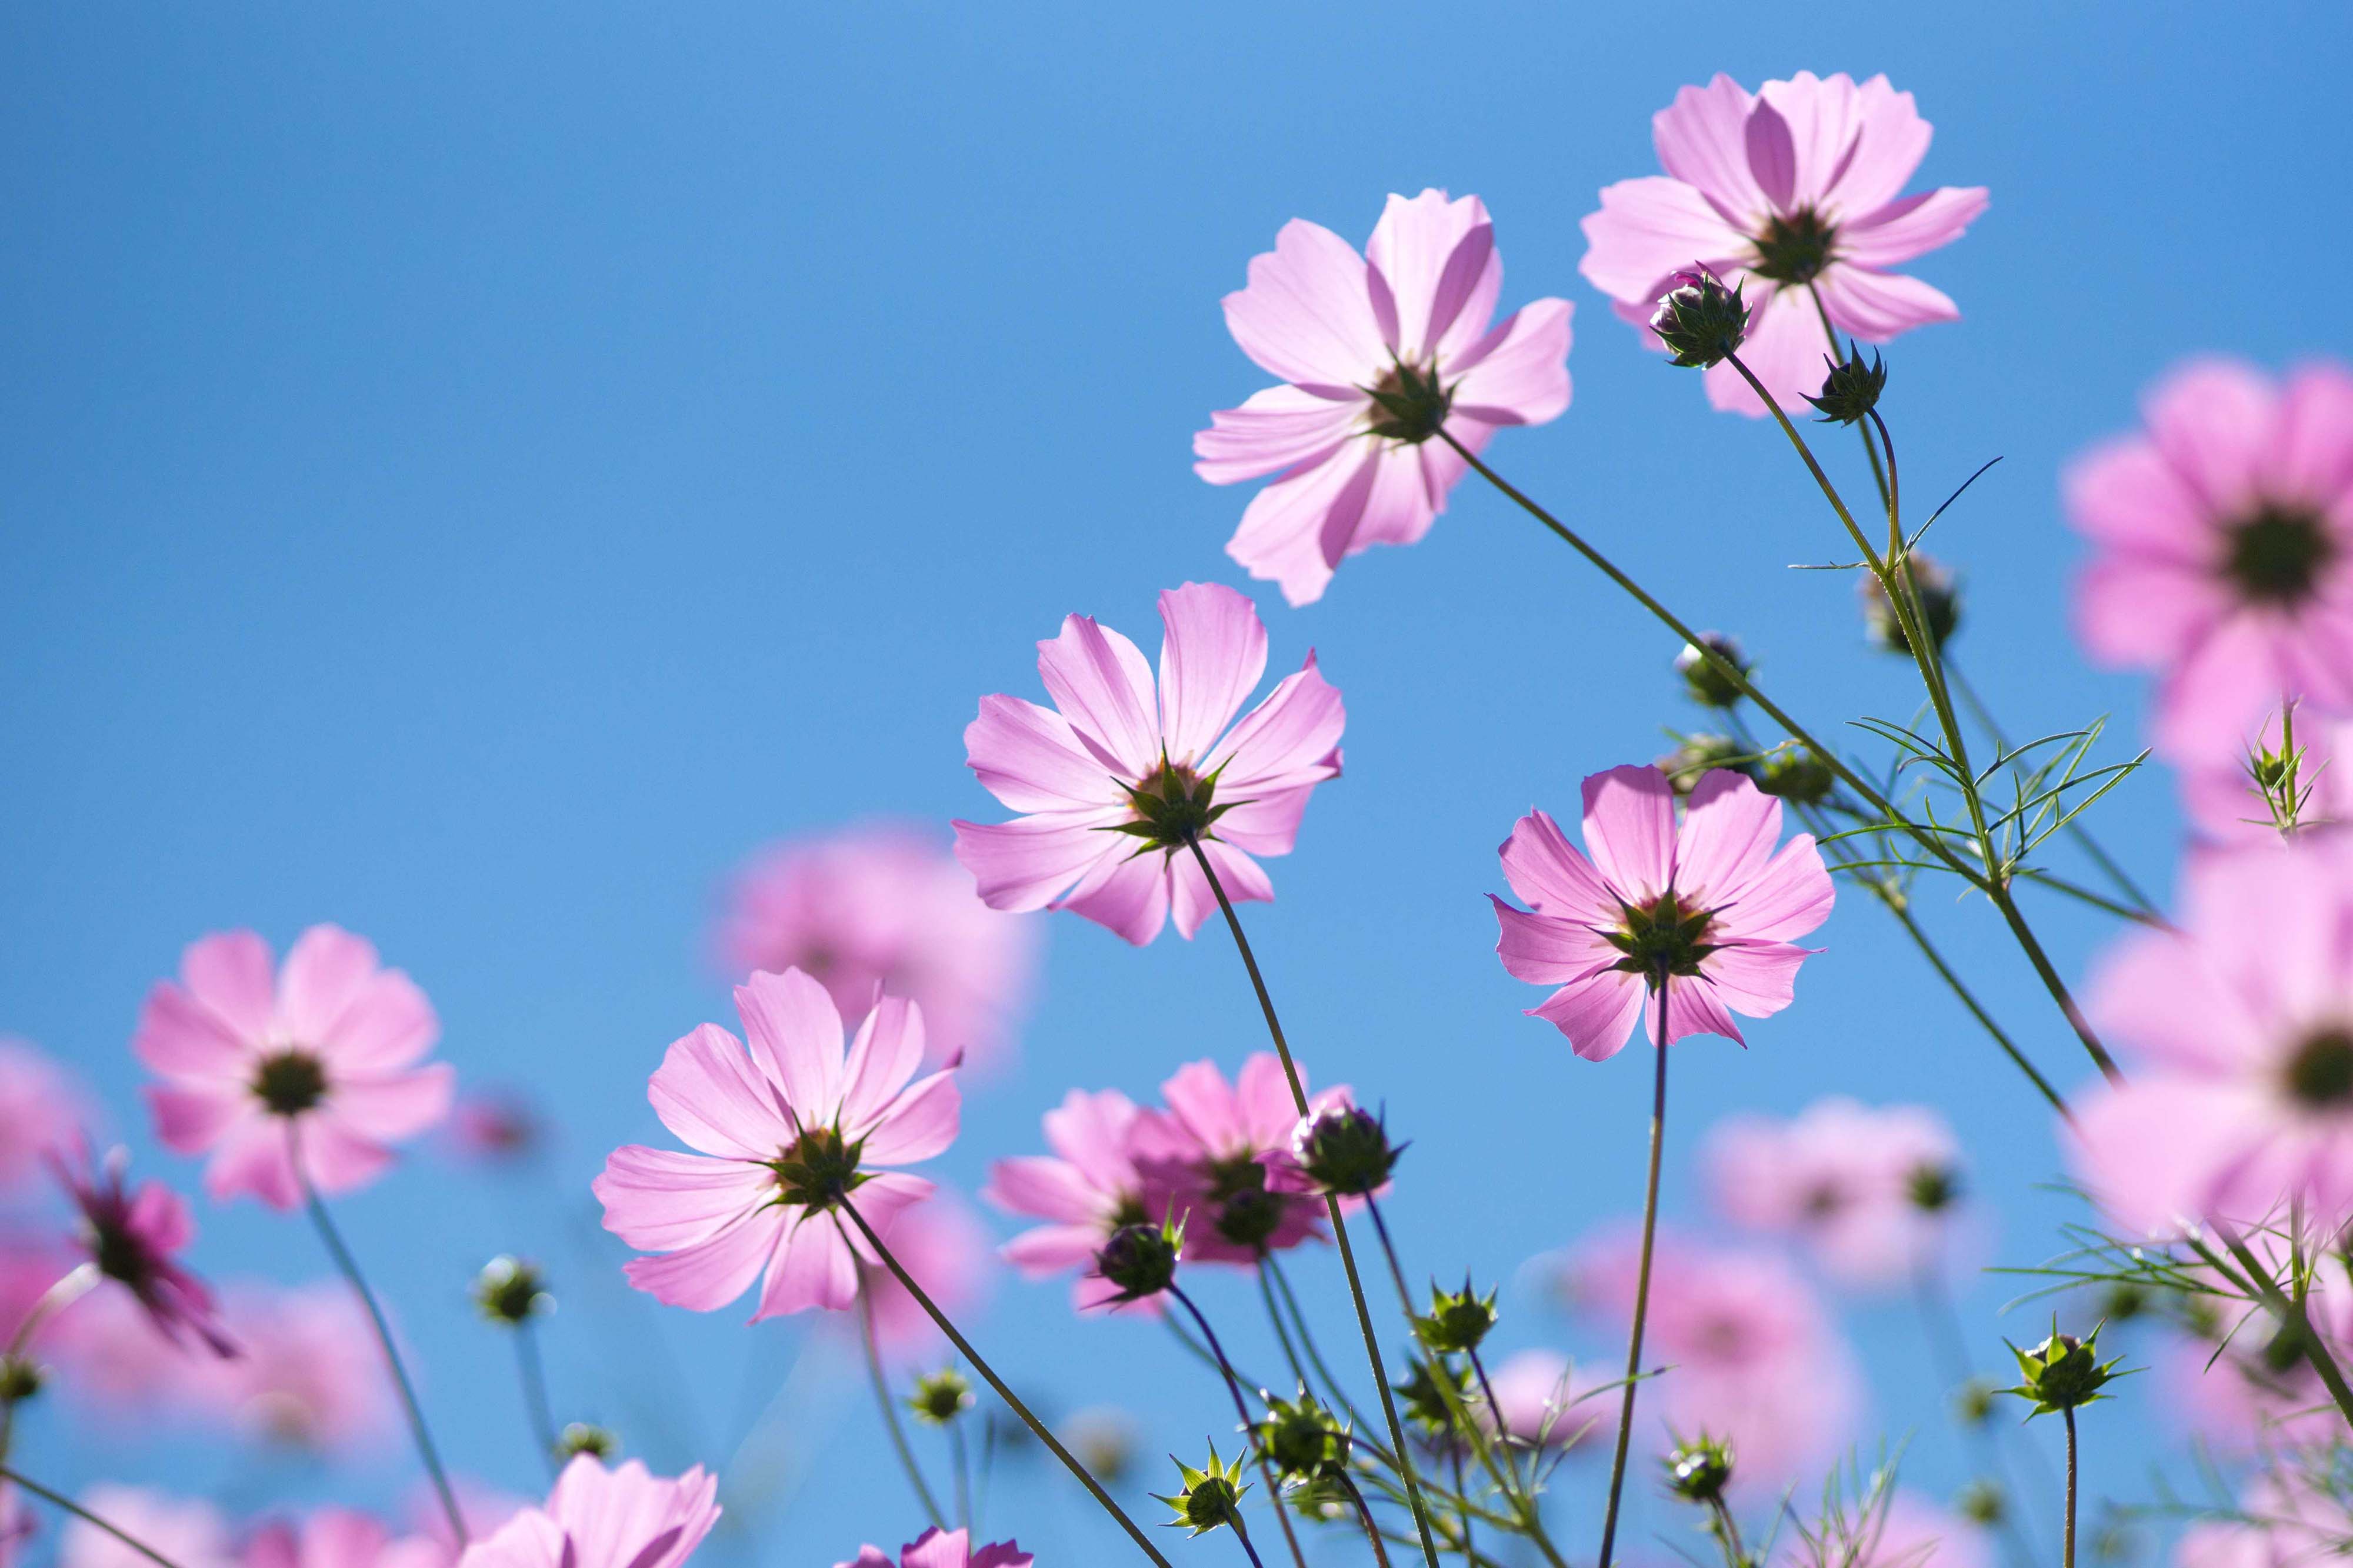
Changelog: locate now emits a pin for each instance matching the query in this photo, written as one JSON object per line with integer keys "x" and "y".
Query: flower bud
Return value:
{"x": 1981, "y": 1503}
{"x": 1103, "y": 1439}
{"x": 2122, "y": 1301}
{"x": 1427, "y": 1403}
{"x": 1940, "y": 607}
{"x": 1458, "y": 1321}
{"x": 580, "y": 1438}
{"x": 1700, "y": 321}
{"x": 1302, "y": 1438}
{"x": 1141, "y": 1259}
{"x": 1345, "y": 1151}
{"x": 1851, "y": 389}
{"x": 1932, "y": 1188}
{"x": 1795, "y": 774}
{"x": 1973, "y": 1402}
{"x": 1699, "y": 1470}
{"x": 2063, "y": 1373}
{"x": 1694, "y": 754}
{"x": 1210, "y": 1497}
{"x": 1706, "y": 685}
{"x": 20, "y": 1379}
{"x": 940, "y": 1396}
{"x": 511, "y": 1291}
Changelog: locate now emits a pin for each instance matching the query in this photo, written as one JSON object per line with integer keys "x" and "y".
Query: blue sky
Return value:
{"x": 474, "y": 473}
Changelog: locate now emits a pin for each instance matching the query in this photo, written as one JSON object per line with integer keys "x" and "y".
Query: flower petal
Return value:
{"x": 1306, "y": 314}
{"x": 1103, "y": 687}
{"x": 1210, "y": 659}
{"x": 1630, "y": 830}
{"x": 795, "y": 1033}
{"x": 1438, "y": 258}
{"x": 710, "y": 1274}
{"x": 1702, "y": 140}
{"x": 1594, "y": 1013}
{"x": 1646, "y": 230}
{"x": 1280, "y": 427}
{"x": 1911, "y": 226}
{"x": 708, "y": 1092}
{"x": 659, "y": 1200}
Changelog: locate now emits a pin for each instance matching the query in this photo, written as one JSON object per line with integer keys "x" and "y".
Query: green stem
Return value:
{"x": 2316, "y": 1348}
{"x": 1389, "y": 1251}
{"x": 1241, "y": 1409}
{"x": 58, "y": 1499}
{"x": 961, "y": 1454}
{"x": 1314, "y": 1352}
{"x": 1242, "y": 1534}
{"x": 350, "y": 1267}
{"x": 2067, "y": 1547}
{"x": 1372, "y": 1529}
{"x": 1012, "y": 1401}
{"x": 1641, "y": 1281}
{"x": 534, "y": 1396}
{"x": 1331, "y": 1207}
{"x": 890, "y": 1408}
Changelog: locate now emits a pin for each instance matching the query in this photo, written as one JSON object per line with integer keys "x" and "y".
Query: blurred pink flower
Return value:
{"x": 496, "y": 1126}
{"x": 1088, "y": 1188}
{"x": 784, "y": 1134}
{"x": 2222, "y": 542}
{"x": 2219, "y": 1383}
{"x": 2243, "y": 1019}
{"x": 1712, "y": 899}
{"x": 311, "y": 1376}
{"x": 120, "y": 1361}
{"x": 1791, "y": 192}
{"x": 596, "y": 1518}
{"x": 1546, "y": 1400}
{"x": 41, "y": 1112}
{"x": 937, "y": 1548}
{"x": 330, "y": 1050}
{"x": 188, "y": 1531}
{"x": 943, "y": 1245}
{"x": 135, "y": 1239}
{"x": 1377, "y": 353}
{"x": 17, "y": 1525}
{"x": 29, "y": 1265}
{"x": 2288, "y": 1522}
{"x": 1869, "y": 1190}
{"x": 336, "y": 1538}
{"x": 1911, "y": 1532}
{"x": 1208, "y": 1156}
{"x": 882, "y": 908}
{"x": 1752, "y": 1354}
{"x": 2221, "y": 800}
{"x": 1086, "y": 772}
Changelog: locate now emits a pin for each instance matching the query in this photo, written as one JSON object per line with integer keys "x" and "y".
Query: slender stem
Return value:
{"x": 1242, "y": 1533}
{"x": 1315, "y": 1353}
{"x": 1012, "y": 1401}
{"x": 1241, "y": 1409}
{"x": 534, "y": 1395}
{"x": 1281, "y": 1330}
{"x": 1331, "y": 1207}
{"x": 1373, "y": 1531}
{"x": 1878, "y": 477}
{"x": 1460, "y": 1485}
{"x": 890, "y": 1408}
{"x": 1641, "y": 1281}
{"x": 351, "y": 1272}
{"x": 1999, "y": 893}
{"x": 2067, "y": 1548}
{"x": 58, "y": 1499}
{"x": 1729, "y": 1532}
{"x": 963, "y": 1456}
{"x": 1389, "y": 1251}
{"x": 1495, "y": 1410}
{"x": 2316, "y": 1348}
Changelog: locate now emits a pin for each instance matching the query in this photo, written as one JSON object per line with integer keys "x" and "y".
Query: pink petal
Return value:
{"x": 325, "y": 972}
{"x": 1207, "y": 1107}
{"x": 1029, "y": 758}
{"x": 1879, "y": 305}
{"x": 1787, "y": 350}
{"x": 1103, "y": 687}
{"x": 231, "y": 974}
{"x": 338, "y": 1158}
{"x": 1091, "y": 1131}
{"x": 1544, "y": 951}
{"x": 1648, "y": 228}
{"x": 1790, "y": 896}
{"x": 1549, "y": 873}
{"x": 2217, "y": 696}
{"x": 2314, "y": 456}
{"x": 386, "y": 1024}
{"x": 2125, "y": 494}
{"x": 250, "y": 1156}
{"x": 920, "y": 1124}
{"x": 813, "y": 1267}
{"x": 1729, "y": 830}
{"x": 1024, "y": 865}
{"x": 1520, "y": 372}
{"x": 1280, "y": 536}
{"x": 937, "y": 1548}
{"x": 1702, "y": 140}
{"x": 1630, "y": 830}
{"x": 1912, "y": 227}
{"x": 1267, "y": 823}
{"x": 1001, "y": 1554}
{"x": 1824, "y": 123}
{"x": 1395, "y": 508}
{"x": 180, "y": 1036}
{"x": 394, "y": 1106}
{"x": 1594, "y": 1013}
{"x": 1051, "y": 1248}
{"x": 1890, "y": 139}
{"x": 2155, "y": 1153}
{"x": 659, "y": 1200}
{"x": 1772, "y": 155}
{"x": 1694, "y": 1007}
{"x": 2215, "y": 421}
{"x": 1289, "y": 739}
{"x": 2136, "y": 609}
{"x": 1243, "y": 879}
{"x": 1044, "y": 1187}
{"x": 795, "y": 1033}
{"x": 1213, "y": 654}
{"x": 710, "y": 1274}
{"x": 708, "y": 1092}
{"x": 1270, "y": 1110}
{"x": 191, "y": 1120}
{"x": 887, "y": 1051}
{"x": 1757, "y": 979}
{"x": 1438, "y": 258}
{"x": 1280, "y": 427}
{"x": 1306, "y": 315}
{"x": 1125, "y": 893}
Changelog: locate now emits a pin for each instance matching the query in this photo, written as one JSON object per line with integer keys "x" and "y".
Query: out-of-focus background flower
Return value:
{"x": 483, "y": 477}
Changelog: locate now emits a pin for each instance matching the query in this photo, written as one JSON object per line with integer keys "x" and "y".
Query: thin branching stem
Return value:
{"x": 1241, "y": 1410}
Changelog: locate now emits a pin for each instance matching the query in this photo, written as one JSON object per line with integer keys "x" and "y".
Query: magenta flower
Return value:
{"x": 311, "y": 1378}
{"x": 883, "y": 907}
{"x": 1791, "y": 193}
{"x": 1211, "y": 1154}
{"x": 1872, "y": 1191}
{"x": 41, "y": 1113}
{"x": 1088, "y": 1188}
{"x": 2243, "y": 1020}
{"x": 943, "y": 1245}
{"x": 135, "y": 1239}
{"x": 1117, "y": 777}
{"x": 937, "y": 1548}
{"x": 1377, "y": 353}
{"x": 596, "y": 1518}
{"x": 787, "y": 1135}
{"x": 2222, "y": 542}
{"x": 328, "y": 1051}
{"x": 1711, "y": 900}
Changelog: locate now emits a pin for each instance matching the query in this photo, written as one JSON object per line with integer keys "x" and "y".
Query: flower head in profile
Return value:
{"x": 1872, "y": 1190}
{"x": 135, "y": 1239}
{"x": 2222, "y": 551}
{"x": 2242, "y": 1018}
{"x": 937, "y": 1548}
{"x": 1715, "y": 902}
{"x": 327, "y": 1052}
{"x": 1122, "y": 776}
{"x": 1216, "y": 1155}
{"x": 789, "y": 1136}
{"x": 1793, "y": 194}
{"x": 884, "y": 906}
{"x": 1388, "y": 360}
{"x": 1086, "y": 1191}
{"x": 41, "y": 1113}
{"x": 594, "y": 1518}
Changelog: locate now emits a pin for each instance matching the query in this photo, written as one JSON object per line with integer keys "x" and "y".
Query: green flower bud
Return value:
{"x": 1694, "y": 754}
{"x": 940, "y": 1396}
{"x": 1932, "y": 1189}
{"x": 1141, "y": 1259}
{"x": 1699, "y": 1470}
{"x": 1346, "y": 1151}
{"x": 20, "y": 1378}
{"x": 1981, "y": 1502}
{"x": 580, "y": 1438}
{"x": 1703, "y": 681}
{"x": 1303, "y": 1438}
{"x": 1103, "y": 1439}
{"x": 1795, "y": 774}
{"x": 1458, "y": 1321}
{"x": 2063, "y": 1373}
{"x": 1210, "y": 1497}
{"x": 1700, "y": 321}
{"x": 511, "y": 1291}
{"x": 1940, "y": 607}
{"x": 1427, "y": 1404}
{"x": 1973, "y": 1402}
{"x": 1851, "y": 389}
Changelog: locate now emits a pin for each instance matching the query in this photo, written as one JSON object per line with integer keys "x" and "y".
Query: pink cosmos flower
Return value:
{"x": 1547, "y": 1401}
{"x": 1377, "y": 353}
{"x": 188, "y": 1531}
{"x": 135, "y": 1238}
{"x": 329, "y": 1052}
{"x": 2222, "y": 542}
{"x": 943, "y": 1245}
{"x": 596, "y": 1518}
{"x": 1752, "y": 1356}
{"x": 2243, "y": 1018}
{"x": 785, "y": 1134}
{"x": 41, "y": 1112}
{"x": 1910, "y": 1532}
{"x": 1712, "y": 900}
{"x": 311, "y": 1377}
{"x": 1871, "y": 1190}
{"x": 2222, "y": 801}
{"x": 497, "y": 1126}
{"x": 122, "y": 1364}
{"x": 1210, "y": 1156}
{"x": 1789, "y": 192}
{"x": 937, "y": 1548}
{"x": 1114, "y": 780}
{"x": 882, "y": 907}
{"x": 337, "y": 1538}
{"x": 1088, "y": 1188}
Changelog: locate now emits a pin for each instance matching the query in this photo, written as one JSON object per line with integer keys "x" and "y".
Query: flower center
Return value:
{"x": 120, "y": 1256}
{"x": 1247, "y": 1213}
{"x": 290, "y": 1082}
{"x": 1409, "y": 404}
{"x": 2276, "y": 556}
{"x": 2320, "y": 1074}
{"x": 1794, "y": 247}
{"x": 1662, "y": 935}
{"x": 820, "y": 1169}
{"x": 1172, "y": 807}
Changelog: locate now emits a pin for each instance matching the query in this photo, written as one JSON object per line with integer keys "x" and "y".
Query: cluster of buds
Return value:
{"x": 1209, "y": 1498}
{"x": 1457, "y": 1322}
{"x": 1346, "y": 1152}
{"x": 511, "y": 1291}
{"x": 1704, "y": 678}
{"x": 2063, "y": 1373}
{"x": 1141, "y": 1259}
{"x": 1700, "y": 321}
{"x": 940, "y": 1396}
{"x": 1939, "y": 599}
